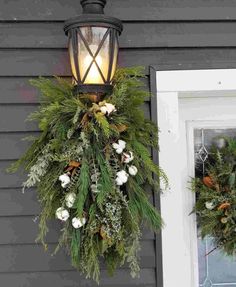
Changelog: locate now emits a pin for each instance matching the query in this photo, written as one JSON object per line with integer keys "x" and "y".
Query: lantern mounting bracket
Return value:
{"x": 93, "y": 6}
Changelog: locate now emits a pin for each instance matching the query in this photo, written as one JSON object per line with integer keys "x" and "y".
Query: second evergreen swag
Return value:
{"x": 92, "y": 168}
{"x": 216, "y": 196}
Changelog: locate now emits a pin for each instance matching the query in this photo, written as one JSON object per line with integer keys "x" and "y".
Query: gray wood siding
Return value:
{"x": 171, "y": 34}
{"x": 128, "y": 10}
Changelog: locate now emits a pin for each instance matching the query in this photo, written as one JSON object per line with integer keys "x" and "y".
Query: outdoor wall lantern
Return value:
{"x": 93, "y": 48}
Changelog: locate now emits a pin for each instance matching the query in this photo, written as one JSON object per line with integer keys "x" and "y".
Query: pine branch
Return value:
{"x": 141, "y": 207}
{"x": 83, "y": 187}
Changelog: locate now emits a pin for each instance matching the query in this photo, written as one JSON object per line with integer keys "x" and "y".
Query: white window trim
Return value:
{"x": 179, "y": 256}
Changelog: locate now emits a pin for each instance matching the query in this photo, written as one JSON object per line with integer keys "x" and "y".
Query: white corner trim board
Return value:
{"x": 196, "y": 80}
{"x": 179, "y": 236}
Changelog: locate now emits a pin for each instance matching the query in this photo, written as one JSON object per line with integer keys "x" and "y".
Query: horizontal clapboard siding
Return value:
{"x": 14, "y": 229}
{"x": 128, "y": 10}
{"x": 135, "y": 35}
{"x": 13, "y": 145}
{"x": 10, "y": 180}
{"x": 170, "y": 34}
{"x": 17, "y": 90}
{"x": 16, "y": 202}
{"x": 71, "y": 279}
{"x": 13, "y": 118}
{"x": 13, "y": 202}
{"x": 34, "y": 62}
{"x": 18, "y": 258}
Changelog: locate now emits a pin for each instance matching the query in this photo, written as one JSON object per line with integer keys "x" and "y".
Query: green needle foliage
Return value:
{"x": 79, "y": 141}
{"x": 216, "y": 197}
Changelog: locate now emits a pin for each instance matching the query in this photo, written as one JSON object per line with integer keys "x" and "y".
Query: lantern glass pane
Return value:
{"x": 72, "y": 60}
{"x": 84, "y": 58}
{"x": 114, "y": 64}
{"x": 103, "y": 57}
{"x": 90, "y": 57}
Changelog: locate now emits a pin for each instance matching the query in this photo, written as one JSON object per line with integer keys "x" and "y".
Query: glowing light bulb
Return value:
{"x": 94, "y": 76}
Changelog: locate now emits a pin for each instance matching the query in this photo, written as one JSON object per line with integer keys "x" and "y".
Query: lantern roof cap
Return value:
{"x": 93, "y": 15}
{"x": 99, "y": 20}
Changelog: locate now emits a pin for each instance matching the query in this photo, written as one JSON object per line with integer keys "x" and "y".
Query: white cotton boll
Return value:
{"x": 122, "y": 177}
{"x": 121, "y": 173}
{"x": 103, "y": 110}
{"x": 119, "y": 150}
{"x": 62, "y": 214}
{"x": 119, "y": 181}
{"x": 125, "y": 178}
{"x": 122, "y": 144}
{"x": 110, "y": 108}
{"x": 133, "y": 170}
{"x": 115, "y": 146}
{"x": 65, "y": 180}
{"x": 78, "y": 222}
{"x": 64, "y": 177}
{"x": 127, "y": 157}
{"x": 64, "y": 185}
{"x": 209, "y": 205}
{"x": 119, "y": 147}
{"x": 70, "y": 199}
{"x": 107, "y": 109}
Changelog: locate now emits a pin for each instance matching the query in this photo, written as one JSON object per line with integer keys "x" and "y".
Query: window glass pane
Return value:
{"x": 215, "y": 269}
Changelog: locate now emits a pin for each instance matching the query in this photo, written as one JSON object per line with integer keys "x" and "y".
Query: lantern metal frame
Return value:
{"x": 93, "y": 16}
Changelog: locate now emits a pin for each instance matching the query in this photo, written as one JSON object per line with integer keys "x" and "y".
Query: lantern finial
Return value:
{"x": 93, "y": 6}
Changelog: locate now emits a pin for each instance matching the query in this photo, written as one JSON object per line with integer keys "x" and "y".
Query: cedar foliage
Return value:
{"x": 74, "y": 129}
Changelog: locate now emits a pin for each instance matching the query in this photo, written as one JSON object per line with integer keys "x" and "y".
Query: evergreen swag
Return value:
{"x": 216, "y": 196}
{"x": 92, "y": 168}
